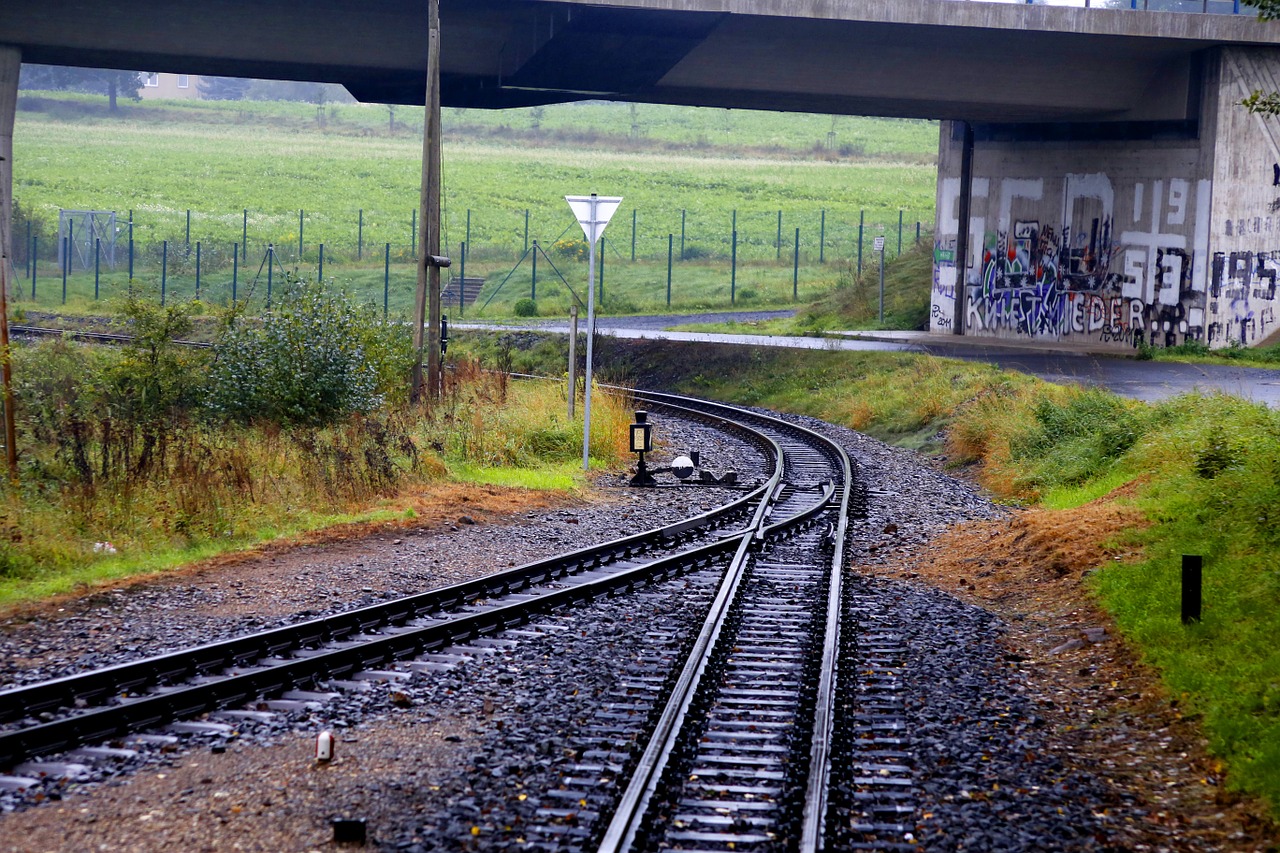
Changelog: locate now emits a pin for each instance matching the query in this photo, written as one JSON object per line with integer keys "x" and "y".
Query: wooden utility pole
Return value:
{"x": 427, "y": 304}
{"x": 10, "y": 64}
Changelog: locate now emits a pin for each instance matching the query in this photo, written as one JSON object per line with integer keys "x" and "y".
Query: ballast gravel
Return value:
{"x": 460, "y": 758}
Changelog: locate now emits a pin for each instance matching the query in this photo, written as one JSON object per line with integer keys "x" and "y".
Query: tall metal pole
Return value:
{"x": 10, "y": 61}
{"x": 962, "y": 233}
{"x": 591, "y": 333}
{"x": 427, "y": 303}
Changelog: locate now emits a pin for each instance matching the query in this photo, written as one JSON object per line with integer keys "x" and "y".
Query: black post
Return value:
{"x": 271, "y": 266}
{"x": 235, "y": 269}
{"x": 962, "y": 232}
{"x": 1192, "y": 585}
{"x": 533, "y": 288}
{"x": 795, "y": 269}
{"x": 188, "y": 240}
{"x": 130, "y": 245}
{"x": 197, "y": 269}
{"x": 66, "y": 262}
{"x": 899, "y": 233}
{"x": 917, "y": 232}
{"x": 671, "y": 239}
{"x": 822, "y": 239}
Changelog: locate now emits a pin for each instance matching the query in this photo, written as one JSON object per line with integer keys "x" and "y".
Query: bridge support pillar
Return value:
{"x": 1144, "y": 232}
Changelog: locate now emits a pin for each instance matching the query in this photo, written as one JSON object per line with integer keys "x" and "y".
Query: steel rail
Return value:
{"x": 634, "y": 805}
{"x": 164, "y": 704}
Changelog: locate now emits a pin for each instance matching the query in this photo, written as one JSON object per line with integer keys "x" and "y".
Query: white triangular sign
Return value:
{"x": 593, "y": 212}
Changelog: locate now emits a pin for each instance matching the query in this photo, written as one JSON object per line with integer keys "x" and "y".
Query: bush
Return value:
{"x": 314, "y": 359}
{"x": 526, "y": 307}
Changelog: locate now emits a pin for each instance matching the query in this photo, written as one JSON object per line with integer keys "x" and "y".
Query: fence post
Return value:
{"x": 164, "y": 270}
{"x": 633, "y": 235}
{"x": 244, "y": 234}
{"x": 66, "y": 262}
{"x": 197, "y": 269}
{"x": 235, "y": 269}
{"x": 533, "y": 288}
{"x": 320, "y": 271}
{"x": 899, "y": 232}
{"x": 271, "y": 268}
{"x": 600, "y": 297}
{"x": 1192, "y": 584}
{"x": 733, "y": 267}
{"x": 777, "y": 243}
{"x": 822, "y": 238}
{"x": 35, "y": 262}
{"x": 917, "y": 232}
{"x": 462, "y": 273}
{"x": 386, "y": 281}
{"x": 795, "y": 269}
{"x": 97, "y": 264}
{"x": 360, "y": 237}
{"x": 188, "y": 240}
{"x": 671, "y": 239}
{"x": 131, "y": 246}
{"x": 861, "y": 214}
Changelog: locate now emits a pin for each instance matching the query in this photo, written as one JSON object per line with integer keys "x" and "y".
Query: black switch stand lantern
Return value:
{"x": 642, "y": 443}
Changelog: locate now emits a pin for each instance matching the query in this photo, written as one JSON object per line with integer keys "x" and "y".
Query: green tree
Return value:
{"x": 96, "y": 81}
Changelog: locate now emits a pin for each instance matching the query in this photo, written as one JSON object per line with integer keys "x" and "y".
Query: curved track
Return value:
{"x": 738, "y": 755}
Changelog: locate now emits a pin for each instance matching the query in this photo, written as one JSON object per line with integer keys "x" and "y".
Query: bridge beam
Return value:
{"x": 1134, "y": 233}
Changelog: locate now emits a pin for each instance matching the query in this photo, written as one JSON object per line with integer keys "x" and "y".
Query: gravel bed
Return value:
{"x": 458, "y": 760}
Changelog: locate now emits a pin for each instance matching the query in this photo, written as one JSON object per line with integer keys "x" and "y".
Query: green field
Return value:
{"x": 261, "y": 173}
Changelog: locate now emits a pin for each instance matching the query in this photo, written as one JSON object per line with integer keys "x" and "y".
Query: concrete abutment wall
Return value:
{"x": 1155, "y": 233}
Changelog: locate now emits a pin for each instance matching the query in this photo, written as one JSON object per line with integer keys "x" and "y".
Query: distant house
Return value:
{"x": 158, "y": 84}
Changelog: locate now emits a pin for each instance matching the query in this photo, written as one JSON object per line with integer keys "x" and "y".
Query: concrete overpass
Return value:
{"x": 1098, "y": 135}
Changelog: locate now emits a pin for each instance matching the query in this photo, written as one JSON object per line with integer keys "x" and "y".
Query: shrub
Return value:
{"x": 526, "y": 307}
{"x": 314, "y": 359}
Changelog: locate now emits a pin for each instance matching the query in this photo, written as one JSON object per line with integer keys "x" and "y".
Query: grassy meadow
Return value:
{"x": 261, "y": 173}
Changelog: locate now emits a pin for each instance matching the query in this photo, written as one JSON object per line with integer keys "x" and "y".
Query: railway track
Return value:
{"x": 739, "y": 736}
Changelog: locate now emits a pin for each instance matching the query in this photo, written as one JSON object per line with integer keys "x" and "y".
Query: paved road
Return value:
{"x": 1140, "y": 380}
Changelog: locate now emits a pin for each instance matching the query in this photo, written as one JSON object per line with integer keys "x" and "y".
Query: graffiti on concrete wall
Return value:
{"x": 1097, "y": 273}
{"x": 1242, "y": 296}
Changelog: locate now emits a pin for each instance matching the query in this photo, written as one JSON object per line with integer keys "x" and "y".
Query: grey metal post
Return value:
{"x": 591, "y": 327}
{"x": 861, "y": 215}
{"x": 235, "y": 269}
{"x": 386, "y": 281}
{"x": 670, "y": 248}
{"x": 533, "y": 288}
{"x": 733, "y": 270}
{"x": 573, "y": 358}
{"x": 97, "y": 264}
{"x": 130, "y": 245}
{"x": 271, "y": 267}
{"x": 795, "y": 269}
{"x": 66, "y": 262}
{"x": 881, "y": 285}
{"x": 602, "y": 255}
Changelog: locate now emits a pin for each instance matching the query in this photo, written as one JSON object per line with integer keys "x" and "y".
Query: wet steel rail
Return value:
{"x": 740, "y": 757}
